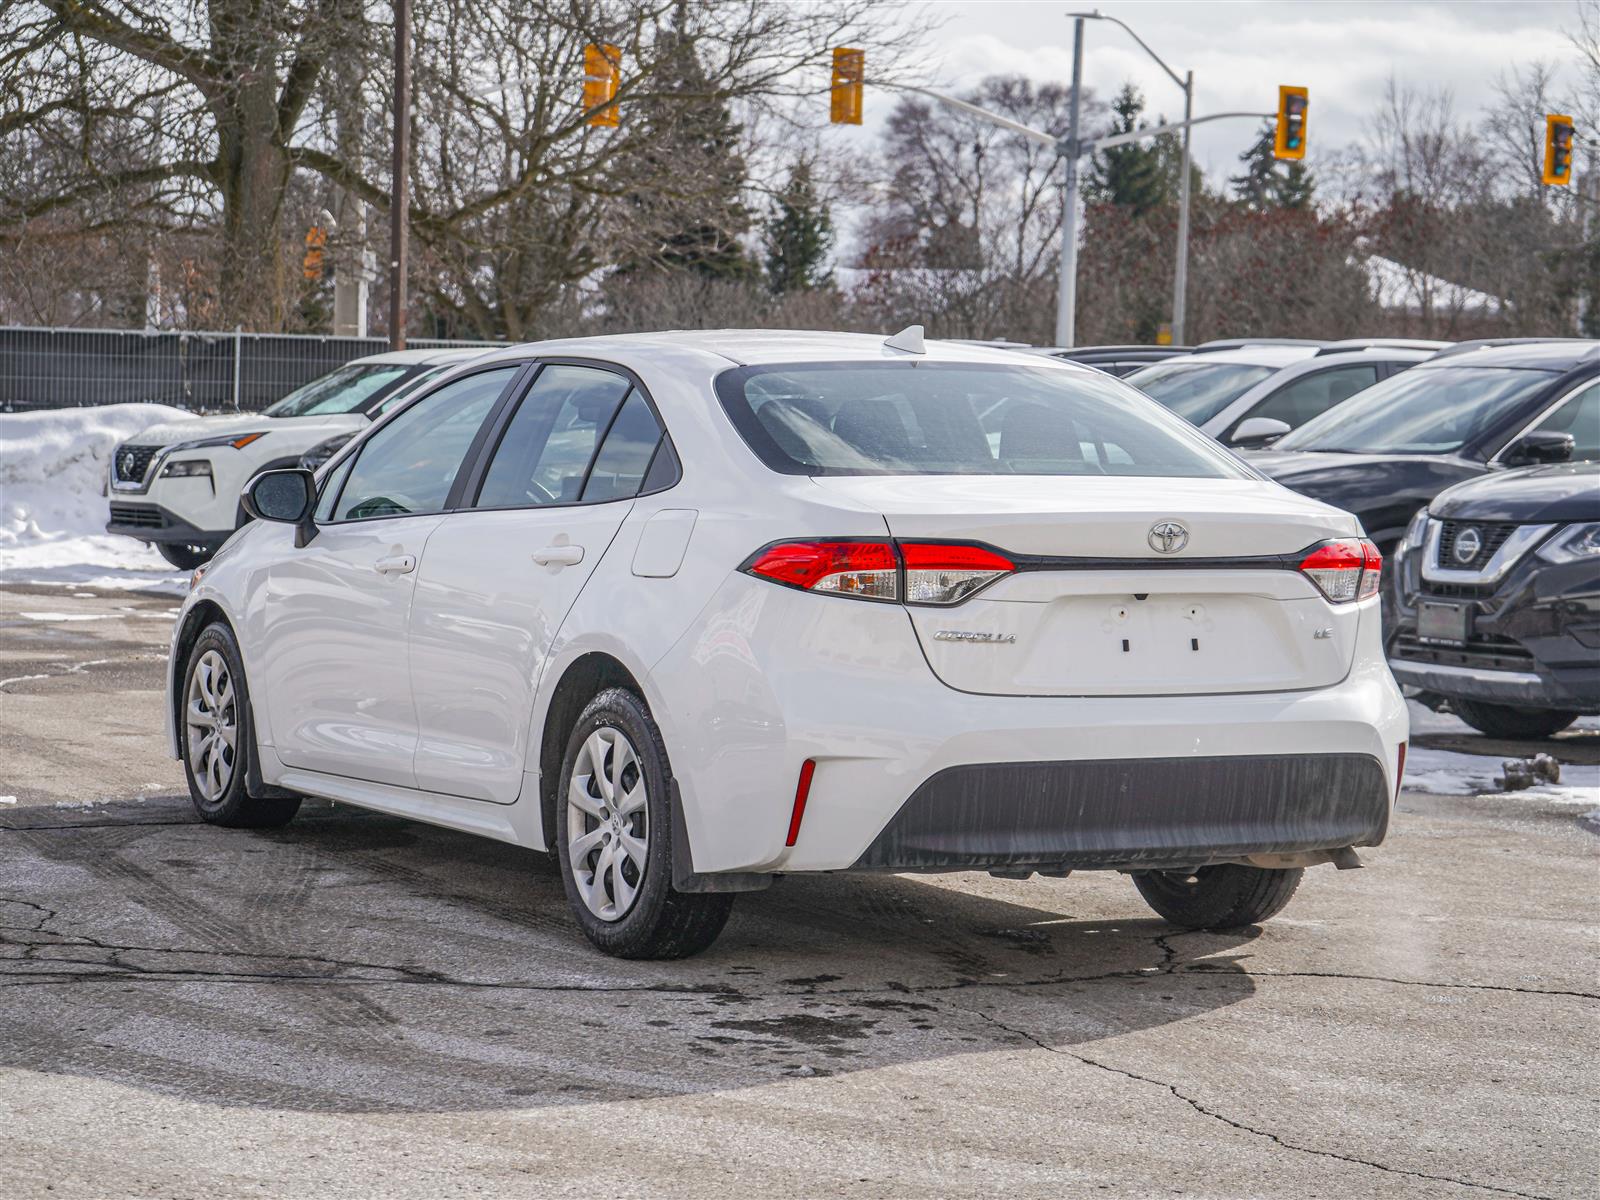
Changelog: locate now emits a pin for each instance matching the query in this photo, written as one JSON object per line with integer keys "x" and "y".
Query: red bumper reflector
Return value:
{"x": 801, "y": 791}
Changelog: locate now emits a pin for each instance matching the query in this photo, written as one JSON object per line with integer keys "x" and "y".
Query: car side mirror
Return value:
{"x": 1258, "y": 431}
{"x": 288, "y": 496}
{"x": 1540, "y": 446}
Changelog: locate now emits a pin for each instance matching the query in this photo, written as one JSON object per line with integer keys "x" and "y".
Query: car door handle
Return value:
{"x": 558, "y": 556}
{"x": 396, "y": 564}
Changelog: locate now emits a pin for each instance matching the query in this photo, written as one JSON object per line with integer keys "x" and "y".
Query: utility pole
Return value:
{"x": 1180, "y": 279}
{"x": 1067, "y": 286}
{"x": 398, "y": 200}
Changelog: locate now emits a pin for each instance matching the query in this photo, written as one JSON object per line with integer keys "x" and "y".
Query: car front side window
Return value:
{"x": 1579, "y": 416}
{"x": 409, "y": 465}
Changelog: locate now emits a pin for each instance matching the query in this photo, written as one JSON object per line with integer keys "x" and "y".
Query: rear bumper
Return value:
{"x": 1154, "y": 813}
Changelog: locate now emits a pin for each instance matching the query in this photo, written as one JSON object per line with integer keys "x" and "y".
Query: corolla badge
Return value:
{"x": 1468, "y": 543}
{"x": 974, "y": 635}
{"x": 1168, "y": 537}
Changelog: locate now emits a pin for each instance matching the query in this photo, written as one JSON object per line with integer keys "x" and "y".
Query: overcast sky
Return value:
{"x": 1241, "y": 51}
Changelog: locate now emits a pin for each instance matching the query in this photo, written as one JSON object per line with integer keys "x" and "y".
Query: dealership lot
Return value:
{"x": 355, "y": 1004}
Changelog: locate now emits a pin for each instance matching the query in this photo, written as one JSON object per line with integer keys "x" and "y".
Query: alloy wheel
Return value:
{"x": 608, "y": 824}
{"x": 213, "y": 728}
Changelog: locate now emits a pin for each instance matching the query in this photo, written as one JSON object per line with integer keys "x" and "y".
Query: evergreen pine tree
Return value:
{"x": 1133, "y": 176}
{"x": 1269, "y": 182}
{"x": 798, "y": 236}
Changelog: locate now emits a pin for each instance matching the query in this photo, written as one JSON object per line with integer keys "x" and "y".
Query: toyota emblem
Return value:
{"x": 1468, "y": 543}
{"x": 1168, "y": 537}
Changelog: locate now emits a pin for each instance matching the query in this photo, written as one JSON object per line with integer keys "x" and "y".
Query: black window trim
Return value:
{"x": 472, "y": 482}
{"x": 519, "y": 373}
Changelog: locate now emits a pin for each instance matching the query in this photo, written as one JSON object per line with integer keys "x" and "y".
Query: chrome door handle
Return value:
{"x": 559, "y": 556}
{"x": 396, "y": 564}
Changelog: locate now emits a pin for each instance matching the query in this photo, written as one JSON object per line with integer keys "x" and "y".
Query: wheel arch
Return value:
{"x": 584, "y": 678}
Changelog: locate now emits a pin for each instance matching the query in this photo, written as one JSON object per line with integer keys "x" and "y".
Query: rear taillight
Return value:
{"x": 947, "y": 573}
{"x": 1345, "y": 570}
{"x": 912, "y": 572}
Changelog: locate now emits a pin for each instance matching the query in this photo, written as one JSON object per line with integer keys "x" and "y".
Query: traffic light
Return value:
{"x": 600, "y": 71}
{"x": 1558, "y": 150}
{"x": 1290, "y": 139}
{"x": 316, "y": 244}
{"x": 849, "y": 79}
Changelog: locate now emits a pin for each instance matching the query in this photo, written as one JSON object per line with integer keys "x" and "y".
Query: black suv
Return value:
{"x": 1497, "y": 586}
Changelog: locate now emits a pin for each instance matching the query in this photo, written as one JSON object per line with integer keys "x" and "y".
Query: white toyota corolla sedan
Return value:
{"x": 697, "y": 610}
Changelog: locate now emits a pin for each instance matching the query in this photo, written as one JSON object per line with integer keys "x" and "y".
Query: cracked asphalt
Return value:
{"x": 356, "y": 1006}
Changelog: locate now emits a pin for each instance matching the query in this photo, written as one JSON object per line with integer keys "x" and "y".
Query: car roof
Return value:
{"x": 760, "y": 347}
{"x": 1549, "y": 356}
{"x": 428, "y": 357}
{"x": 1273, "y": 356}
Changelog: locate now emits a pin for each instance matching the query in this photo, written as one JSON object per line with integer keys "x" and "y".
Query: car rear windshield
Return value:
{"x": 1198, "y": 391}
{"x": 933, "y": 418}
{"x": 341, "y": 391}
{"x": 1426, "y": 410}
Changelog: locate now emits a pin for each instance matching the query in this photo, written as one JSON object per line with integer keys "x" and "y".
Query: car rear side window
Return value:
{"x": 933, "y": 418}
{"x": 545, "y": 454}
{"x": 624, "y": 457}
{"x": 409, "y": 465}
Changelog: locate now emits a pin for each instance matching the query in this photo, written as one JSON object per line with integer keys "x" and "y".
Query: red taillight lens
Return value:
{"x": 1371, "y": 570}
{"x": 939, "y": 573}
{"x": 1344, "y": 570}
{"x": 866, "y": 570}
{"x": 935, "y": 572}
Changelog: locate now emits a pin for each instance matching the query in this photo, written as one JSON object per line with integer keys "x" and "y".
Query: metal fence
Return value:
{"x": 203, "y": 372}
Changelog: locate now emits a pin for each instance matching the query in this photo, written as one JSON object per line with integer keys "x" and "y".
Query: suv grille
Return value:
{"x": 1491, "y": 536}
{"x": 130, "y": 463}
{"x": 146, "y": 516}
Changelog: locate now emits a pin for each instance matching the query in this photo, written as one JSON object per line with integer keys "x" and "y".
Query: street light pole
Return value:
{"x": 1180, "y": 281}
{"x": 398, "y": 200}
{"x": 1067, "y": 287}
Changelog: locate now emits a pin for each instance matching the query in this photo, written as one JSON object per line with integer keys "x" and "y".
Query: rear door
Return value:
{"x": 334, "y": 664}
{"x": 498, "y": 578}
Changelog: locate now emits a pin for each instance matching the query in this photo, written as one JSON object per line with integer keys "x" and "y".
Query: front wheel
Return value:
{"x": 185, "y": 558}
{"x": 614, "y": 837}
{"x": 1221, "y": 897}
{"x": 217, "y": 740}
{"x": 1504, "y": 721}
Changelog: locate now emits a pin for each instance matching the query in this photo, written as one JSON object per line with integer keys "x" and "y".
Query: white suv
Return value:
{"x": 177, "y": 485}
{"x": 695, "y": 610}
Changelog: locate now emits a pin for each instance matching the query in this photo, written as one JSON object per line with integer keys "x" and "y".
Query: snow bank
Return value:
{"x": 52, "y": 498}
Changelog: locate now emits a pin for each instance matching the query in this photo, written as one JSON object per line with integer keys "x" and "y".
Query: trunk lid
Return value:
{"x": 1096, "y": 611}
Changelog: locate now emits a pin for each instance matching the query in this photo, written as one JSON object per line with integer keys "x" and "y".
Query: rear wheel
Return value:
{"x": 614, "y": 838}
{"x": 217, "y": 740}
{"x": 1504, "y": 721}
{"x": 185, "y": 558}
{"x": 1221, "y": 897}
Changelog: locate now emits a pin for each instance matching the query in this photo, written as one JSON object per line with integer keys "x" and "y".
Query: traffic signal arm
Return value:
{"x": 1558, "y": 150}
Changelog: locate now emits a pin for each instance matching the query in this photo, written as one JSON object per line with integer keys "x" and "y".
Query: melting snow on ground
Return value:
{"x": 1448, "y": 773}
{"x": 53, "y": 467}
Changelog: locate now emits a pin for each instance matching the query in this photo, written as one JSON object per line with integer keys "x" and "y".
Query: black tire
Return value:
{"x": 661, "y": 922}
{"x": 185, "y": 558}
{"x": 1221, "y": 897}
{"x": 1504, "y": 721}
{"x": 232, "y": 805}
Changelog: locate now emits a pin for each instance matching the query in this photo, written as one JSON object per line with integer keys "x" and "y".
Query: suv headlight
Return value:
{"x": 1417, "y": 531}
{"x": 193, "y": 466}
{"x": 1572, "y": 544}
{"x": 323, "y": 451}
{"x": 237, "y": 440}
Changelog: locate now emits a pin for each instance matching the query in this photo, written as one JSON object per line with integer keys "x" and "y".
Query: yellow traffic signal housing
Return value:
{"x": 1290, "y": 139}
{"x": 316, "y": 245}
{"x": 1558, "y": 150}
{"x": 600, "y": 72}
{"x": 849, "y": 80}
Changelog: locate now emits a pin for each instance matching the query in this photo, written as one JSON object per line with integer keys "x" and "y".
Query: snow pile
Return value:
{"x": 53, "y": 466}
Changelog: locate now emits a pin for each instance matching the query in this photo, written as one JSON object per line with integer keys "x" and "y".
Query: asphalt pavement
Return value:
{"x": 357, "y": 1006}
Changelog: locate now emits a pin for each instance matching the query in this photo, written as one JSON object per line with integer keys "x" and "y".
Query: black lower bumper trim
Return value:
{"x": 1134, "y": 813}
{"x": 153, "y": 523}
